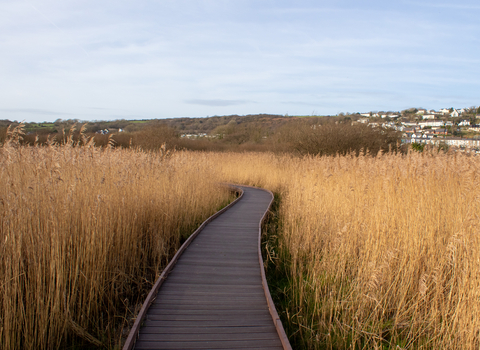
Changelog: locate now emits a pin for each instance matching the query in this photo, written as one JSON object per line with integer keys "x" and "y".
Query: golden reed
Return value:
{"x": 383, "y": 252}
{"x": 82, "y": 229}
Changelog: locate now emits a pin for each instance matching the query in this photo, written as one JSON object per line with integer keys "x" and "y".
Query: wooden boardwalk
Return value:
{"x": 214, "y": 297}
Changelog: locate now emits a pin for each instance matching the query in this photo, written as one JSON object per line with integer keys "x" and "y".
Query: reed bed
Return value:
{"x": 84, "y": 232}
{"x": 381, "y": 252}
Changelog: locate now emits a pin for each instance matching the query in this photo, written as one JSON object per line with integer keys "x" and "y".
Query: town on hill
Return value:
{"x": 445, "y": 128}
{"x": 459, "y": 128}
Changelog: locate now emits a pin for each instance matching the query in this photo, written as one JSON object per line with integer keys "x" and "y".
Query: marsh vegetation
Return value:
{"x": 375, "y": 249}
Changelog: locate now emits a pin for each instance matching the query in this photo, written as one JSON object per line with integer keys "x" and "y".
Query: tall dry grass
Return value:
{"x": 83, "y": 230}
{"x": 381, "y": 252}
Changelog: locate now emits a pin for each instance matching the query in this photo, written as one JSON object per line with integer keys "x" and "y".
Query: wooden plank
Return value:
{"x": 224, "y": 347}
{"x": 209, "y": 330}
{"x": 208, "y": 337}
{"x": 231, "y": 273}
{"x": 197, "y": 259}
{"x": 230, "y": 270}
{"x": 198, "y": 293}
{"x": 214, "y": 298}
{"x": 219, "y": 280}
{"x": 206, "y": 323}
{"x": 211, "y": 303}
{"x": 220, "y": 303}
{"x": 210, "y": 288}
{"x": 208, "y": 316}
{"x": 235, "y": 344}
{"x": 250, "y": 309}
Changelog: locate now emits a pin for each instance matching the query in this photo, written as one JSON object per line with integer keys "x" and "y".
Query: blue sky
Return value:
{"x": 106, "y": 60}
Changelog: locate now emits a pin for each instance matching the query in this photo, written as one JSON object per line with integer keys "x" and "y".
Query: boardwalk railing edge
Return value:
{"x": 271, "y": 306}
{"x": 132, "y": 336}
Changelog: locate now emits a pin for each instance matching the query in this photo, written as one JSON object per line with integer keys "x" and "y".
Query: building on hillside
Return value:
{"x": 474, "y": 128}
{"x": 457, "y": 142}
{"x": 429, "y": 131}
{"x": 455, "y": 114}
{"x": 440, "y": 131}
{"x": 416, "y": 138}
{"x": 410, "y": 124}
{"x": 432, "y": 123}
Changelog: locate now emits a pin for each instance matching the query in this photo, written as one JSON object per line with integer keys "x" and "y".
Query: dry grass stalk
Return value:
{"x": 84, "y": 230}
{"x": 383, "y": 251}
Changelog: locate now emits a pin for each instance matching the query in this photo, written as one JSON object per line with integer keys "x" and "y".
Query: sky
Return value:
{"x": 125, "y": 59}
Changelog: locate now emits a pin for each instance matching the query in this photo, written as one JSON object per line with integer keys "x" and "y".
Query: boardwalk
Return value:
{"x": 213, "y": 298}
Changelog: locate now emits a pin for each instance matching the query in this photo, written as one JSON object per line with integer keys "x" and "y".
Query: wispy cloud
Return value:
{"x": 32, "y": 111}
{"x": 217, "y": 102}
{"x": 439, "y": 5}
{"x": 167, "y": 58}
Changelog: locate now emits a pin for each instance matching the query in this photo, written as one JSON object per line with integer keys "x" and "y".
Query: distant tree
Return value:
{"x": 443, "y": 147}
{"x": 331, "y": 137}
{"x": 418, "y": 146}
{"x": 154, "y": 136}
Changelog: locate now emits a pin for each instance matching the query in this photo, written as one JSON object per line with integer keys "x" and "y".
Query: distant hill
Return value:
{"x": 181, "y": 125}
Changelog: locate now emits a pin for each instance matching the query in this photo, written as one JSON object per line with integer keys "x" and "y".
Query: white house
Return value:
{"x": 432, "y": 123}
{"x": 474, "y": 128}
{"x": 428, "y": 116}
{"x": 421, "y": 111}
{"x": 429, "y": 132}
{"x": 389, "y": 125}
{"x": 464, "y": 123}
{"x": 456, "y": 113}
{"x": 459, "y": 142}
{"x": 410, "y": 124}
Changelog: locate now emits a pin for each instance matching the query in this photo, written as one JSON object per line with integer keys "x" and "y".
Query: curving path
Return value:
{"x": 214, "y": 296}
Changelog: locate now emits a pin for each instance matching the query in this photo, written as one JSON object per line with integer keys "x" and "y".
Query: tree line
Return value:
{"x": 262, "y": 133}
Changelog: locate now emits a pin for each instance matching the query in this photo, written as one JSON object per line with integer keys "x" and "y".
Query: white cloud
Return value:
{"x": 217, "y": 102}
{"x": 193, "y": 58}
